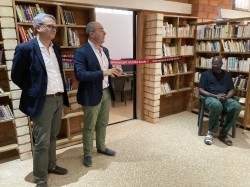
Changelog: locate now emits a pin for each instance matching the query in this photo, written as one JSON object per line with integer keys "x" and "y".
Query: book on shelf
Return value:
{"x": 5, "y": 112}
{"x": 169, "y": 30}
{"x": 165, "y": 88}
{"x": 1, "y": 56}
{"x": 61, "y": 15}
{"x": 22, "y": 33}
{"x": 73, "y": 37}
{"x": 26, "y": 13}
{"x": 1, "y": 91}
{"x": 69, "y": 17}
{"x": 67, "y": 61}
{"x": 39, "y": 9}
{"x": 25, "y": 34}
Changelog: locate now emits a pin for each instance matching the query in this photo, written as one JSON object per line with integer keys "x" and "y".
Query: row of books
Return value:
{"x": 186, "y": 31}
{"x": 236, "y": 46}
{"x": 26, "y": 13}
{"x": 187, "y": 50}
{"x": 208, "y": 46}
{"x": 1, "y": 56}
{"x": 223, "y": 31}
{"x": 67, "y": 61}
{"x": 73, "y": 37}
{"x": 240, "y": 82}
{"x": 230, "y": 63}
{"x": 5, "y": 112}
{"x": 181, "y": 31}
{"x": 169, "y": 30}
{"x": 169, "y": 49}
{"x": 173, "y": 68}
{"x": 165, "y": 88}
{"x": 25, "y": 34}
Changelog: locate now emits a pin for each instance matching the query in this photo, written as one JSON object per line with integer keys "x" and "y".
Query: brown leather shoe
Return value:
{"x": 58, "y": 170}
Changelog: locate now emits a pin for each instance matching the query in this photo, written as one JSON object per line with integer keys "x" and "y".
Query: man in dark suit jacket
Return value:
{"x": 37, "y": 70}
{"x": 93, "y": 71}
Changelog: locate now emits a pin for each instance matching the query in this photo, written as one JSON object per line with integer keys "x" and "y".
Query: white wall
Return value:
{"x": 119, "y": 38}
{"x": 231, "y": 14}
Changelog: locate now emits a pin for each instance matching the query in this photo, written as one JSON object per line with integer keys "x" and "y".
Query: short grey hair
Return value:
{"x": 38, "y": 19}
{"x": 91, "y": 26}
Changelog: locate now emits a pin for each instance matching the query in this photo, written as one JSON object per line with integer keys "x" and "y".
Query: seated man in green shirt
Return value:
{"x": 216, "y": 85}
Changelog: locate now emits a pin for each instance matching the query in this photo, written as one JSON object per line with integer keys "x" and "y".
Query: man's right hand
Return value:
{"x": 113, "y": 72}
{"x": 221, "y": 97}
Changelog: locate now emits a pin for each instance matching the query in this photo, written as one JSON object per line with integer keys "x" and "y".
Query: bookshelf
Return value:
{"x": 178, "y": 39}
{"x": 71, "y": 21}
{"x": 229, "y": 39}
{"x": 8, "y": 138}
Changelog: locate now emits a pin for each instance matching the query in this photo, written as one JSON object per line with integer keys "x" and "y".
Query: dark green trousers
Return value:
{"x": 45, "y": 130}
{"x": 96, "y": 118}
{"x": 215, "y": 107}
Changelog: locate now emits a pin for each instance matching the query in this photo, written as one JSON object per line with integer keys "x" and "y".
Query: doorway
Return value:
{"x": 119, "y": 26}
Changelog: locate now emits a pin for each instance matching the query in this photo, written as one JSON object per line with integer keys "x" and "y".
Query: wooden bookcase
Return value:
{"x": 8, "y": 138}
{"x": 71, "y": 22}
{"x": 164, "y": 36}
{"x": 229, "y": 40}
{"x": 178, "y": 40}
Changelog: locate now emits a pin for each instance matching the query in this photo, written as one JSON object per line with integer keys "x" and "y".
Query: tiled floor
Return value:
{"x": 166, "y": 154}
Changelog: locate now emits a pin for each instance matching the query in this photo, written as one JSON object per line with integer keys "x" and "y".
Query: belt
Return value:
{"x": 54, "y": 95}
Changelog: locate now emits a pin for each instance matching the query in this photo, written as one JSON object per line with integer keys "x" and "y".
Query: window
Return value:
{"x": 242, "y": 5}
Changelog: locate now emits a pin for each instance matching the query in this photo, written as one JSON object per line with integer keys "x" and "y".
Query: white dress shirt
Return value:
{"x": 55, "y": 83}
{"x": 103, "y": 61}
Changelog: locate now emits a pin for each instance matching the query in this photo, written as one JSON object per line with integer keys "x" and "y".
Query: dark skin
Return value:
{"x": 216, "y": 68}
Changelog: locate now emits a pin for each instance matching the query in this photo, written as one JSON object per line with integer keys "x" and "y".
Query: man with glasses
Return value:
{"x": 216, "y": 85}
{"x": 37, "y": 70}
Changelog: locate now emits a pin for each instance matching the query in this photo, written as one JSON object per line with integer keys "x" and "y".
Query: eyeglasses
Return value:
{"x": 50, "y": 27}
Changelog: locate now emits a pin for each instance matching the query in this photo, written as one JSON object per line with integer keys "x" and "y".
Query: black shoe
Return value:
{"x": 107, "y": 151}
{"x": 223, "y": 138}
{"x": 87, "y": 161}
{"x": 58, "y": 170}
{"x": 44, "y": 184}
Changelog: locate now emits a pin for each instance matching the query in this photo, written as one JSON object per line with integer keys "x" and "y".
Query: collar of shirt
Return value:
{"x": 41, "y": 44}
{"x": 94, "y": 47}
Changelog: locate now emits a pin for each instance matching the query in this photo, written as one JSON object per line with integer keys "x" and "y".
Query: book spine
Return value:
{"x": 20, "y": 29}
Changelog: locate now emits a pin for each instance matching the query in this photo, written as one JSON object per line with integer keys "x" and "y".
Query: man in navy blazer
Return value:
{"x": 93, "y": 71}
{"x": 37, "y": 70}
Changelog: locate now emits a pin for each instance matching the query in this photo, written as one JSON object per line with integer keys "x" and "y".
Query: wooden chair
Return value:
{"x": 119, "y": 86}
{"x": 223, "y": 114}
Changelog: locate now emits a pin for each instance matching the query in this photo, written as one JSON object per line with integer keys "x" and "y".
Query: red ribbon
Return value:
{"x": 146, "y": 61}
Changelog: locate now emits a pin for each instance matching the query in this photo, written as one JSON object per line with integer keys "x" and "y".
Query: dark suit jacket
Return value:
{"x": 29, "y": 74}
{"x": 90, "y": 75}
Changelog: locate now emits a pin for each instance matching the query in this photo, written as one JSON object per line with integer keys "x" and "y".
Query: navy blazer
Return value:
{"x": 29, "y": 74}
{"x": 90, "y": 76}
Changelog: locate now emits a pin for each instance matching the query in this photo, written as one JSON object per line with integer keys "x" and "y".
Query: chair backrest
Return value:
{"x": 128, "y": 68}
{"x": 119, "y": 83}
